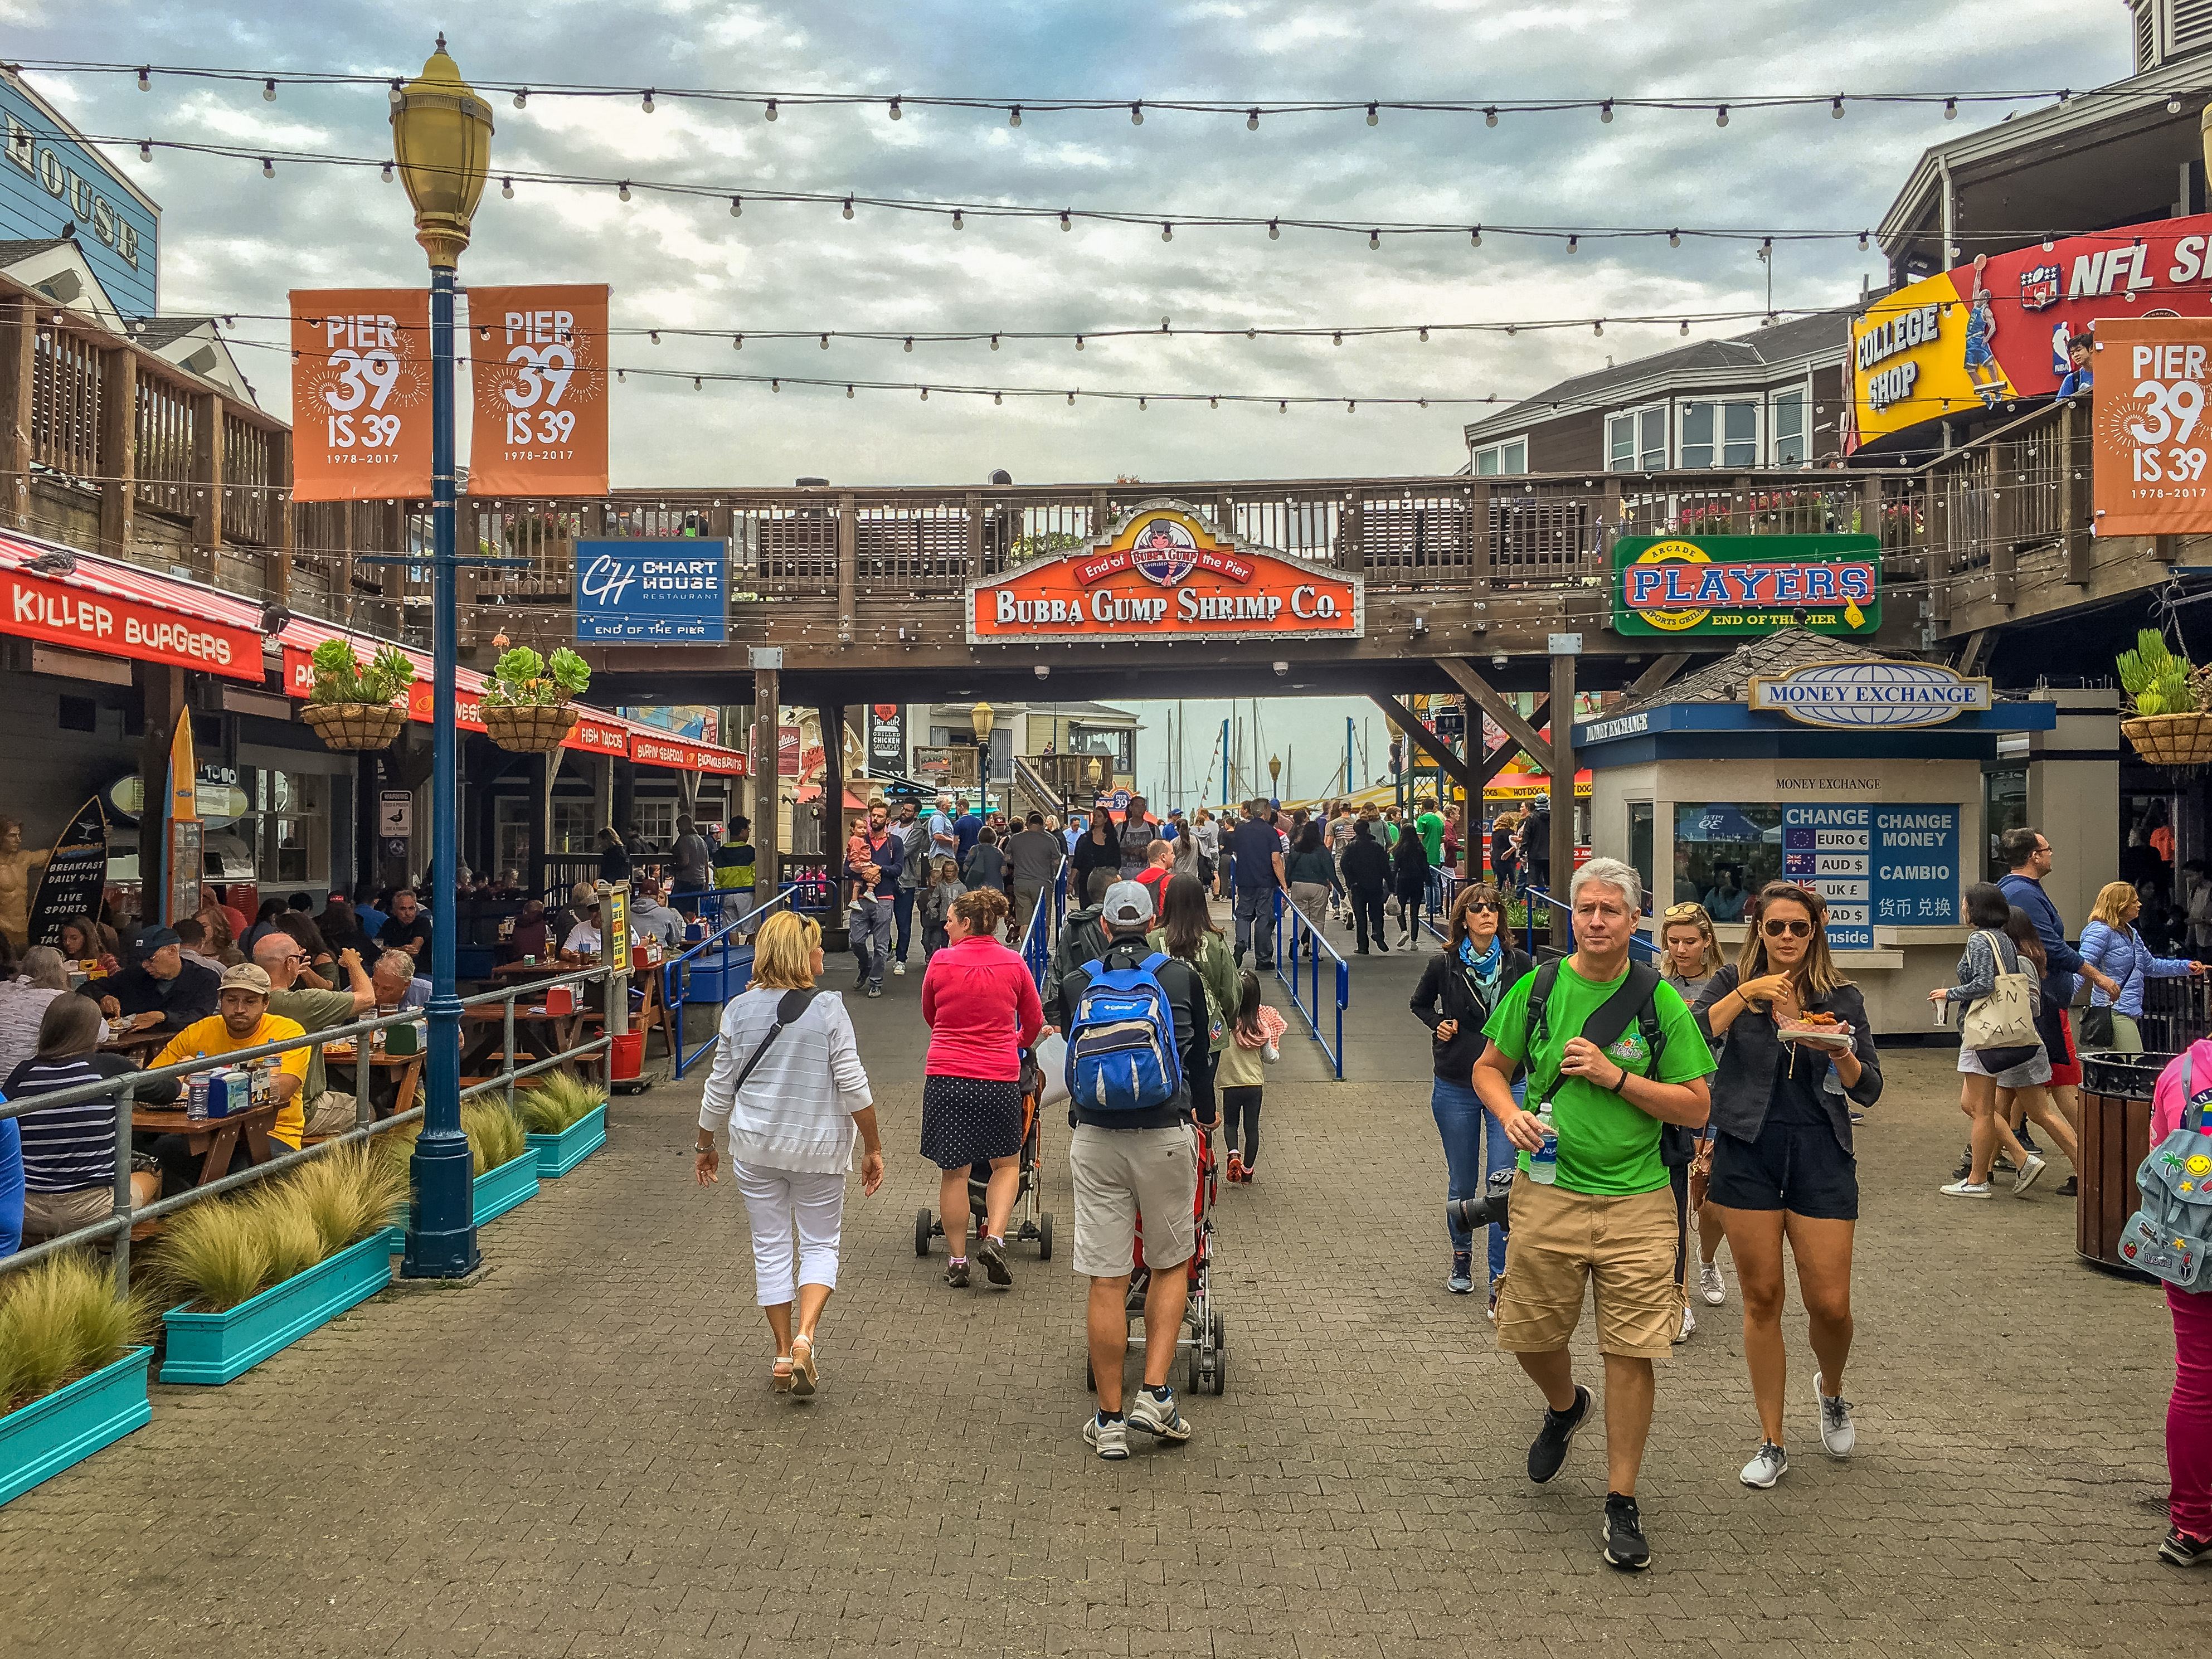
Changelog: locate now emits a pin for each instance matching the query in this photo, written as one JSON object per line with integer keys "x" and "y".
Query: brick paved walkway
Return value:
{"x": 582, "y": 1456}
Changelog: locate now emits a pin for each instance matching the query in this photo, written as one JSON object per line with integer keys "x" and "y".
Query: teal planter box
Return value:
{"x": 215, "y": 1347}
{"x": 68, "y": 1426}
{"x": 558, "y": 1154}
{"x": 496, "y": 1192}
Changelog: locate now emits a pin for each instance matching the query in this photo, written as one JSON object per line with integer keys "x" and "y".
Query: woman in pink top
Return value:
{"x": 981, "y": 1008}
{"x": 2189, "y": 1412}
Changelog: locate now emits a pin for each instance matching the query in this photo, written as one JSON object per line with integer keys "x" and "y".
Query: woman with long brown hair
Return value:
{"x": 1782, "y": 1168}
{"x": 1689, "y": 955}
{"x": 1186, "y": 932}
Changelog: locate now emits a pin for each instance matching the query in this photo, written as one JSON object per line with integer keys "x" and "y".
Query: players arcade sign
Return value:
{"x": 1166, "y": 572}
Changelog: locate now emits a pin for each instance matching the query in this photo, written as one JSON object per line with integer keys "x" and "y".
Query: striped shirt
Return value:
{"x": 68, "y": 1148}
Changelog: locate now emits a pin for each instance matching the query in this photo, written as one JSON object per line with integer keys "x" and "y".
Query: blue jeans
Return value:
{"x": 1475, "y": 1148}
{"x": 1255, "y": 925}
{"x": 903, "y": 913}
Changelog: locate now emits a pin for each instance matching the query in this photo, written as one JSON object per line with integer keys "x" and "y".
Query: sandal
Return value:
{"x": 804, "y": 1375}
{"x": 780, "y": 1374}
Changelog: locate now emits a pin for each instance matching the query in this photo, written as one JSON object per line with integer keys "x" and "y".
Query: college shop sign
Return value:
{"x": 1738, "y": 585}
{"x": 1166, "y": 571}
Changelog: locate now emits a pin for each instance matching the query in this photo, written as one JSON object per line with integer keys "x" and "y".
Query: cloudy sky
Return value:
{"x": 232, "y": 241}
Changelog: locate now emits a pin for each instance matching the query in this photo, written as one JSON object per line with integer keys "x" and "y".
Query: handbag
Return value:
{"x": 2094, "y": 1029}
{"x": 2000, "y": 1027}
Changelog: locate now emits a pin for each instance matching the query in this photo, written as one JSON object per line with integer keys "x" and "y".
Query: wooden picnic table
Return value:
{"x": 138, "y": 1045}
{"x": 409, "y": 1067}
{"x": 542, "y": 1035}
{"x": 217, "y": 1137}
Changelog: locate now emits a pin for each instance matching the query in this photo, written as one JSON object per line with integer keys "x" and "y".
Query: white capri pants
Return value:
{"x": 775, "y": 1199}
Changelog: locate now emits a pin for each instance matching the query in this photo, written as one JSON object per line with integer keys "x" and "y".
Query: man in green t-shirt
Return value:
{"x": 1609, "y": 1216}
{"x": 282, "y": 958}
{"x": 1430, "y": 829}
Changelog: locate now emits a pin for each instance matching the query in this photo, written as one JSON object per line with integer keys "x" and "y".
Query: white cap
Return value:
{"x": 1129, "y": 904}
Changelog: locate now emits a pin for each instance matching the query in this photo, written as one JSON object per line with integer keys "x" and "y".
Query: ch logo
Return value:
{"x": 606, "y": 580}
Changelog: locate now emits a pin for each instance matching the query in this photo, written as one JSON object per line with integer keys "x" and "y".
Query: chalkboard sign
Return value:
{"x": 75, "y": 878}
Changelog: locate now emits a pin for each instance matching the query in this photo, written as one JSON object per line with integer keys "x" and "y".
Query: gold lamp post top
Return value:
{"x": 442, "y": 141}
{"x": 1097, "y": 771}
{"x": 1275, "y": 768}
{"x": 985, "y": 719}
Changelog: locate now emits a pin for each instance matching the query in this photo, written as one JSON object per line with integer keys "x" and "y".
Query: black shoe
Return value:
{"x": 1624, "y": 1548}
{"x": 2182, "y": 1550}
{"x": 1549, "y": 1449}
{"x": 956, "y": 1275}
{"x": 1965, "y": 1168}
{"x": 2026, "y": 1143}
{"x": 2070, "y": 1188}
{"x": 993, "y": 1256}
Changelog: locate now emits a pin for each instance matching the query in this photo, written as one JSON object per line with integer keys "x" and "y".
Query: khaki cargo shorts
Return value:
{"x": 1562, "y": 1242}
{"x": 1120, "y": 1174}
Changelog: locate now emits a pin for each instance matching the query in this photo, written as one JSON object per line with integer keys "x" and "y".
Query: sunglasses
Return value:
{"x": 1690, "y": 909}
{"x": 1795, "y": 929}
{"x": 1484, "y": 904}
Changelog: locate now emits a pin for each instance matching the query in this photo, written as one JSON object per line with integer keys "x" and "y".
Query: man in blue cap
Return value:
{"x": 161, "y": 992}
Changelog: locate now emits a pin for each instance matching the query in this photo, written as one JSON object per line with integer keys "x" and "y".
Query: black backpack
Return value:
{"x": 1636, "y": 999}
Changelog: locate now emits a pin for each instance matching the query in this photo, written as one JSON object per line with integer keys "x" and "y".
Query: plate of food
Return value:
{"x": 1822, "y": 1030}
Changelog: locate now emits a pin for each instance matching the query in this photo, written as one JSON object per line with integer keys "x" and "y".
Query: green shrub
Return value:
{"x": 213, "y": 1256}
{"x": 341, "y": 678}
{"x": 2157, "y": 681}
{"x": 60, "y": 1321}
{"x": 348, "y": 1194}
{"x": 495, "y": 1135}
{"x": 559, "y": 1101}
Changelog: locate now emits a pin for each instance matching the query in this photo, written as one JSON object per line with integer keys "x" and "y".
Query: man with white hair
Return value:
{"x": 1614, "y": 1057}
{"x": 399, "y": 988}
{"x": 279, "y": 956}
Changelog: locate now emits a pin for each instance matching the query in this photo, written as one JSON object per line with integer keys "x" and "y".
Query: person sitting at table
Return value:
{"x": 529, "y": 937}
{"x": 408, "y": 928}
{"x": 83, "y": 939}
{"x": 231, "y": 920}
{"x": 581, "y": 898}
{"x": 370, "y": 916}
{"x": 323, "y": 971}
{"x": 69, "y": 1152}
{"x": 399, "y": 988}
{"x": 650, "y": 919}
{"x": 280, "y": 957}
{"x": 162, "y": 993}
{"x": 24, "y": 999}
{"x": 264, "y": 924}
{"x": 585, "y": 938}
{"x": 242, "y": 1020}
{"x": 192, "y": 934}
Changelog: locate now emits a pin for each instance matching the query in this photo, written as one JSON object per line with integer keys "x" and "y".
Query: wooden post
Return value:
{"x": 279, "y": 479}
{"x": 207, "y": 479}
{"x": 767, "y": 784}
{"x": 1355, "y": 541}
{"x": 544, "y": 768}
{"x": 1480, "y": 562}
{"x": 119, "y": 451}
{"x": 830, "y": 721}
{"x": 19, "y": 346}
{"x": 973, "y": 504}
{"x": 848, "y": 559}
{"x": 1563, "y": 790}
{"x": 163, "y": 696}
{"x": 2073, "y": 498}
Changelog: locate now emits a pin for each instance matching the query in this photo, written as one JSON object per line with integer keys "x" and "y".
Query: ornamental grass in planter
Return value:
{"x": 72, "y": 1368}
{"x": 567, "y": 1118}
{"x": 350, "y": 704}
{"x": 526, "y": 705}
{"x": 499, "y": 1156}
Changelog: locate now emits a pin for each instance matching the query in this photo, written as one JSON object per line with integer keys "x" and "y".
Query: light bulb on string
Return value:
{"x": 623, "y": 374}
{"x": 268, "y": 92}
{"x": 623, "y": 193}
{"x": 849, "y": 391}
{"x": 1374, "y": 240}
{"x": 1079, "y": 343}
{"x": 1605, "y": 112}
{"x": 1424, "y": 337}
{"x": 695, "y": 383}
{"x": 909, "y": 342}
{"x": 1167, "y": 233}
{"x": 398, "y": 93}
{"x": 387, "y": 173}
{"x": 958, "y": 223}
{"x": 996, "y": 398}
{"x": 1064, "y": 224}
{"x": 1136, "y": 115}
{"x": 775, "y": 385}
{"x": 1863, "y": 241}
{"x": 994, "y": 342}
{"x": 1213, "y": 402}
{"x": 768, "y": 110}
{"x": 1720, "y": 115}
{"x": 1141, "y": 404}
{"x": 1014, "y": 116}
{"x": 1071, "y": 400}
{"x": 1339, "y": 339}
{"x": 1372, "y": 115}
{"x": 1351, "y": 405}
{"x": 1673, "y": 239}
{"x": 522, "y": 98}
{"x": 825, "y": 342}
{"x": 1685, "y": 330}
{"x": 1836, "y": 109}
{"x": 737, "y": 207}
{"x": 1574, "y": 244}
{"x": 1489, "y": 118}
{"x": 1282, "y": 407}
{"x": 1252, "y": 121}
{"x": 647, "y": 105}
{"x": 738, "y": 342}
{"x": 267, "y": 169}
{"x": 146, "y": 79}
{"x": 146, "y": 149}
{"x": 894, "y": 111}
{"x": 653, "y": 334}
{"x": 1950, "y": 109}
{"x": 1475, "y": 237}
{"x": 1274, "y": 231}
{"x": 848, "y": 207}
{"x": 924, "y": 394}
{"x": 506, "y": 189}
{"x": 1598, "y": 327}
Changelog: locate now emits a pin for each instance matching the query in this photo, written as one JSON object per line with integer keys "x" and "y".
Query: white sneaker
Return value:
{"x": 1838, "y": 1433}
{"x": 1111, "y": 1439}
{"x": 2026, "y": 1178}
{"x": 1689, "y": 1324}
{"x": 1768, "y": 1467}
{"x": 899, "y": 967}
{"x": 1711, "y": 1284}
{"x": 1158, "y": 1417}
{"x": 1965, "y": 1189}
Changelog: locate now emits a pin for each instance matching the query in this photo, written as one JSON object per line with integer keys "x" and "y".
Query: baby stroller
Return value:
{"x": 1205, "y": 1334}
{"x": 1028, "y": 1224}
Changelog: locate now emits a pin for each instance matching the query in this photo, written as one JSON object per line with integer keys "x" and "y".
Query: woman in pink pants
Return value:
{"x": 2189, "y": 1412}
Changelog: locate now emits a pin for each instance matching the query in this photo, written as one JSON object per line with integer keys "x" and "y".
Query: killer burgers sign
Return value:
{"x": 1165, "y": 570}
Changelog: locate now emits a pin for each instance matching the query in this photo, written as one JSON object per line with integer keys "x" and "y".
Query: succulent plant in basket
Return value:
{"x": 2169, "y": 701}
{"x": 526, "y": 705}
{"x": 351, "y": 704}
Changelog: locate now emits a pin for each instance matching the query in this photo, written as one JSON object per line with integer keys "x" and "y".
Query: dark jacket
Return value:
{"x": 1445, "y": 993}
{"x": 1409, "y": 866}
{"x": 1743, "y": 1087}
{"x": 1316, "y": 866}
{"x": 1254, "y": 844}
{"x": 191, "y": 996}
{"x": 1089, "y": 855}
{"x": 1185, "y": 994}
{"x": 1366, "y": 867}
{"x": 2026, "y": 893}
{"x": 1082, "y": 939}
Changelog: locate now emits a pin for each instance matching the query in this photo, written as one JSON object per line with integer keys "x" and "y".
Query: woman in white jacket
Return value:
{"x": 788, "y": 1093}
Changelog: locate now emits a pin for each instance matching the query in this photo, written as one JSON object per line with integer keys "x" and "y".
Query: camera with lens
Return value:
{"x": 1489, "y": 1209}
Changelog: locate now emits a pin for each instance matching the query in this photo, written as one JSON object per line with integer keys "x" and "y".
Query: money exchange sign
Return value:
{"x": 538, "y": 360}
{"x": 361, "y": 394}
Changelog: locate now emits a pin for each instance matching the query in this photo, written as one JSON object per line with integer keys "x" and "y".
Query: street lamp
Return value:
{"x": 441, "y": 142}
{"x": 1274, "y": 777}
{"x": 984, "y": 720}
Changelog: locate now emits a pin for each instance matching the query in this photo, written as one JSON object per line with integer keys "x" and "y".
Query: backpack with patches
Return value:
{"x": 2170, "y": 1235}
{"x": 1637, "y": 1000}
{"x": 1122, "y": 1053}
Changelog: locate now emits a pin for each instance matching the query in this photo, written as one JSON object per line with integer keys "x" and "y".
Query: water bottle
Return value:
{"x": 1544, "y": 1161}
{"x": 196, "y": 1095}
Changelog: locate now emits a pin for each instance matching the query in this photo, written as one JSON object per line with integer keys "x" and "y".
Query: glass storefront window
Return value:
{"x": 2004, "y": 807}
{"x": 1639, "y": 846}
{"x": 573, "y": 831}
{"x": 289, "y": 828}
{"x": 1725, "y": 852}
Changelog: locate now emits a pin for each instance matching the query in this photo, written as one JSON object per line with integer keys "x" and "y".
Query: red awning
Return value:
{"x": 108, "y": 608}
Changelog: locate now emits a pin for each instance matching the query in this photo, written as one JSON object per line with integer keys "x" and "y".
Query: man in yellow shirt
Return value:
{"x": 241, "y": 1020}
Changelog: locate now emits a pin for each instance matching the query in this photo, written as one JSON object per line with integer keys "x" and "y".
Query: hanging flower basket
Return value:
{"x": 539, "y": 730}
{"x": 2170, "y": 739}
{"x": 355, "y": 726}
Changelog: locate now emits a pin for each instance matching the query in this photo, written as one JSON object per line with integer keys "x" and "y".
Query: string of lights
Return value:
{"x": 1252, "y": 111}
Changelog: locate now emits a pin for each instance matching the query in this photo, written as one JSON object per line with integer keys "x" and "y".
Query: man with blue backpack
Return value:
{"x": 1137, "y": 1030}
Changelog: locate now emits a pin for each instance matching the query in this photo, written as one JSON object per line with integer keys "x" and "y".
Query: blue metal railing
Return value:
{"x": 1044, "y": 927}
{"x": 715, "y": 974}
{"x": 1533, "y": 897}
{"x": 1303, "y": 937}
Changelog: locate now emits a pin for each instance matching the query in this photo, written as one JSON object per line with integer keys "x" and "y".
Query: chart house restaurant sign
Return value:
{"x": 1738, "y": 585}
{"x": 663, "y": 589}
{"x": 1166, "y": 571}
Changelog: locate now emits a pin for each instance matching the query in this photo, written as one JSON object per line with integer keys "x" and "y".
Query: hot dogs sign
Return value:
{"x": 1165, "y": 570}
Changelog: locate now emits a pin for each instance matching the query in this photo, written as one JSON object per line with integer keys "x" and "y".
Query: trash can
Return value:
{"x": 2116, "y": 1096}
{"x": 627, "y": 1058}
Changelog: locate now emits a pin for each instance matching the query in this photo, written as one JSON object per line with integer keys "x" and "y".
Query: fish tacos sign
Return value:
{"x": 1166, "y": 571}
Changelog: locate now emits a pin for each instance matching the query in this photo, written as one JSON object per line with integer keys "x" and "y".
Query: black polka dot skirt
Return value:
{"x": 965, "y": 1120}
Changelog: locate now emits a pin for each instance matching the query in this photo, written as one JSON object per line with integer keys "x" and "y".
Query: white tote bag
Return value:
{"x": 1051, "y": 1056}
{"x": 2006, "y": 1018}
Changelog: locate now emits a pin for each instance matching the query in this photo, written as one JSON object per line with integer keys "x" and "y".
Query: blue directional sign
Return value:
{"x": 670, "y": 590}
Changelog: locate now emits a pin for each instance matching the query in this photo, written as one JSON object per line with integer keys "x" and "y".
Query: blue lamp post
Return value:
{"x": 441, "y": 142}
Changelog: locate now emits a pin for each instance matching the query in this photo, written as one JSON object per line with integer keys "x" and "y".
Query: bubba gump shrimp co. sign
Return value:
{"x": 1165, "y": 571}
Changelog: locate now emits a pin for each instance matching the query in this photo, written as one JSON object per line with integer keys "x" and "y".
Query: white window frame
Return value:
{"x": 1645, "y": 459}
{"x": 1803, "y": 391}
{"x": 1719, "y": 402}
{"x": 1496, "y": 454}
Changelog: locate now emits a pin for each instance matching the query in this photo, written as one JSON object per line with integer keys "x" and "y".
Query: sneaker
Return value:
{"x": 1966, "y": 1166}
{"x": 1461, "y": 1282}
{"x": 1624, "y": 1548}
{"x": 2027, "y": 1141}
{"x": 2182, "y": 1550}
{"x": 1111, "y": 1438}
{"x": 993, "y": 1255}
{"x": 1766, "y": 1468}
{"x": 875, "y": 990}
{"x": 1711, "y": 1284}
{"x": 1251, "y": 1174}
{"x": 955, "y": 1274}
{"x": 1689, "y": 1324}
{"x": 1493, "y": 1300}
{"x": 899, "y": 969}
{"x": 1838, "y": 1433}
{"x": 1966, "y": 1189}
{"x": 1236, "y": 1171}
{"x": 1158, "y": 1417}
{"x": 2026, "y": 1178}
{"x": 2070, "y": 1188}
{"x": 2003, "y": 1164}
{"x": 1549, "y": 1449}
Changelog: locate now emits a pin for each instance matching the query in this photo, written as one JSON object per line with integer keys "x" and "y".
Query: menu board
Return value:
{"x": 1897, "y": 866}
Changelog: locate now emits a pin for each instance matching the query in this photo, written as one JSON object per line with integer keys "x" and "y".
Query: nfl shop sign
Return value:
{"x": 361, "y": 394}
{"x": 1166, "y": 571}
{"x": 40, "y": 609}
{"x": 537, "y": 363}
{"x": 2151, "y": 427}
